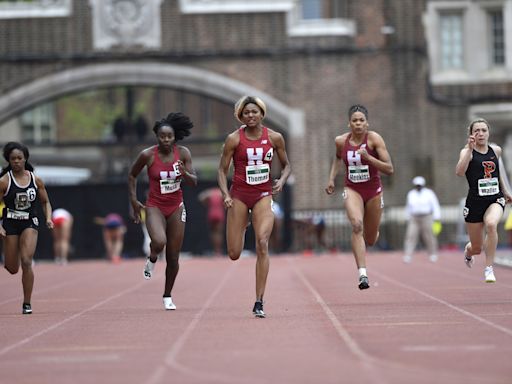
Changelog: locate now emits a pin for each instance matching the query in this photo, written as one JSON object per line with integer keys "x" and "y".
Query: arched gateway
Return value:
{"x": 207, "y": 83}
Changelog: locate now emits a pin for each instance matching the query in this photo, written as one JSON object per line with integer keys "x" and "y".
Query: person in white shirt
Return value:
{"x": 422, "y": 210}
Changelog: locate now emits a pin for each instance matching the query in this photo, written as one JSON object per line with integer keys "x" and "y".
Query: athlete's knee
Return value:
{"x": 26, "y": 263}
{"x": 157, "y": 245}
{"x": 234, "y": 254}
{"x": 491, "y": 227}
{"x": 12, "y": 269}
{"x": 262, "y": 243}
{"x": 357, "y": 226}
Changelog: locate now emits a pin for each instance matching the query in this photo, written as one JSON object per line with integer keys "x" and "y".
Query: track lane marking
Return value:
{"x": 353, "y": 346}
{"x": 170, "y": 359}
{"x": 46, "y": 330}
{"x": 505, "y": 330}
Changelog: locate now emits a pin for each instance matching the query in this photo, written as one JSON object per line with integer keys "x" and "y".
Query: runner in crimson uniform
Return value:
{"x": 168, "y": 165}
{"x": 216, "y": 216}
{"x": 365, "y": 155}
{"x": 251, "y": 148}
{"x": 488, "y": 192}
{"x": 361, "y": 176}
{"x": 252, "y": 161}
{"x": 165, "y": 183}
{"x": 19, "y": 189}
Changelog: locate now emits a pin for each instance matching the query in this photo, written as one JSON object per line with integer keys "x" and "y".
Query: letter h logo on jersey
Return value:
{"x": 353, "y": 158}
{"x": 166, "y": 175}
{"x": 254, "y": 156}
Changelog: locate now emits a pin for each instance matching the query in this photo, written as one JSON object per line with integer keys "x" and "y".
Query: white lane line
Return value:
{"x": 106, "y": 358}
{"x": 170, "y": 357}
{"x": 37, "y": 292}
{"x": 441, "y": 301}
{"x": 463, "y": 272}
{"x": 448, "y": 348}
{"x": 354, "y": 347}
{"x": 28, "y": 339}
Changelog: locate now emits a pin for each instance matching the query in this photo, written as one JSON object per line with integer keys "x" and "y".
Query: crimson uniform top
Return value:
{"x": 360, "y": 175}
{"x": 164, "y": 182}
{"x": 252, "y": 160}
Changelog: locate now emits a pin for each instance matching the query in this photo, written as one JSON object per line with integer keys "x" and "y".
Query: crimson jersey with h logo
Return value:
{"x": 164, "y": 183}
{"x": 252, "y": 160}
{"x": 360, "y": 175}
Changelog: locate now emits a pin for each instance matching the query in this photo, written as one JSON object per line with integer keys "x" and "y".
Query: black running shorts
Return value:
{"x": 474, "y": 210}
{"x": 15, "y": 227}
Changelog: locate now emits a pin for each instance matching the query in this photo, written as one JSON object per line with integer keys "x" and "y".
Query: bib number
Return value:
{"x": 488, "y": 187}
{"x": 257, "y": 174}
{"x": 169, "y": 186}
{"x": 358, "y": 173}
{"x": 17, "y": 215}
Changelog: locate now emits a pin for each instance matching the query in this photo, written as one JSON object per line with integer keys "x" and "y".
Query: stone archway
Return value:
{"x": 291, "y": 120}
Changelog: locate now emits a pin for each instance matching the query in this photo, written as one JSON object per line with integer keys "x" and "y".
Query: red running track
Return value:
{"x": 95, "y": 322}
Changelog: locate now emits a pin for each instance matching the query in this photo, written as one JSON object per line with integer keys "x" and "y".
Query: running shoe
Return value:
{"x": 469, "y": 260}
{"x": 26, "y": 309}
{"x": 489, "y": 275}
{"x": 407, "y": 259}
{"x": 364, "y": 282}
{"x": 168, "y": 304}
{"x": 257, "y": 310}
{"x": 433, "y": 258}
{"x": 148, "y": 269}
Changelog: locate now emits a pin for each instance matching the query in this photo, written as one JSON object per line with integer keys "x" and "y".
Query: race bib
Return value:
{"x": 169, "y": 186}
{"x": 487, "y": 187}
{"x": 17, "y": 215}
{"x": 257, "y": 174}
{"x": 358, "y": 173}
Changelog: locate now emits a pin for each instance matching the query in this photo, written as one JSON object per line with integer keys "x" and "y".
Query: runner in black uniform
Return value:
{"x": 19, "y": 188}
{"x": 487, "y": 195}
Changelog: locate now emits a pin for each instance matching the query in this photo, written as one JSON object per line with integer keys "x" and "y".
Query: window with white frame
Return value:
{"x": 323, "y": 9}
{"x": 38, "y": 124}
{"x": 12, "y": 9}
{"x": 304, "y": 17}
{"x": 452, "y": 41}
{"x": 467, "y": 41}
{"x": 496, "y": 37}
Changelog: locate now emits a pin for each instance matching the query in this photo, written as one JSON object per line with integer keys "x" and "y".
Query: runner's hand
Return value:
{"x": 471, "y": 142}
{"x": 330, "y": 188}
{"x": 228, "y": 201}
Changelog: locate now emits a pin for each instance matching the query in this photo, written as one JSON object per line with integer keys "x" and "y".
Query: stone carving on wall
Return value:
{"x": 126, "y": 23}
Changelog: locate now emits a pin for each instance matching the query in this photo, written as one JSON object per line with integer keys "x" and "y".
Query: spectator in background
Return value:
{"x": 114, "y": 230}
{"x": 216, "y": 216}
{"x": 318, "y": 222}
{"x": 62, "y": 228}
{"x": 120, "y": 128}
{"x": 141, "y": 128}
{"x": 423, "y": 217}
